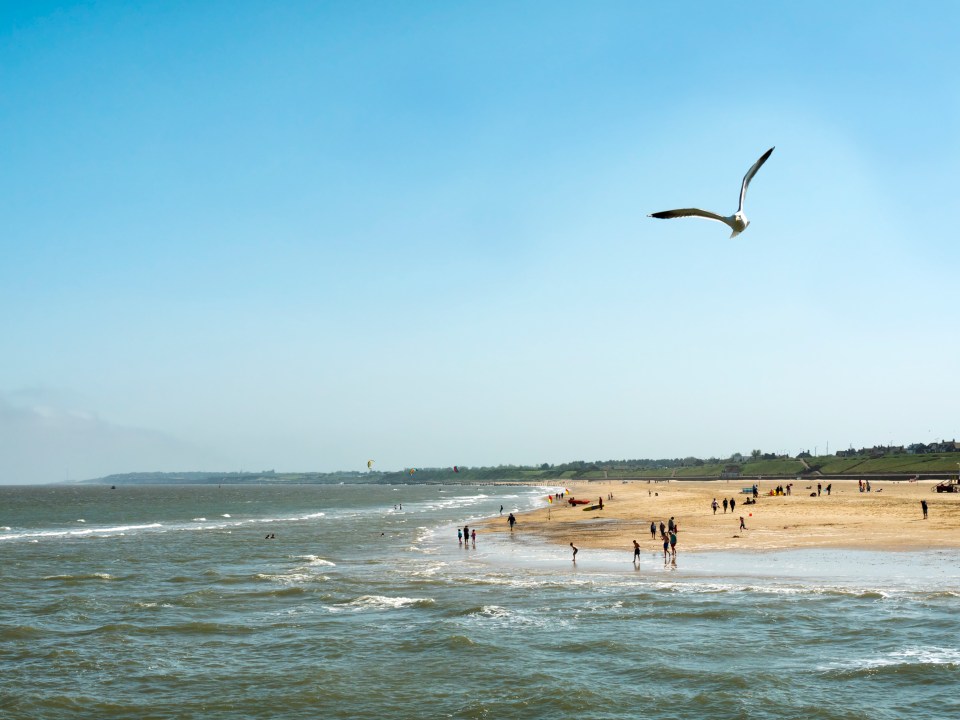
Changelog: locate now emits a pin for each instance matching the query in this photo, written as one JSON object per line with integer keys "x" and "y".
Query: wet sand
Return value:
{"x": 888, "y": 518}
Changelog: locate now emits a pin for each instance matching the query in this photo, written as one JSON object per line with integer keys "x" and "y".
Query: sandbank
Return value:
{"x": 887, "y": 518}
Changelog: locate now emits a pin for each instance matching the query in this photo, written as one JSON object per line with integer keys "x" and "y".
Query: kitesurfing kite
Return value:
{"x": 456, "y": 469}
{"x": 738, "y": 221}
{"x": 369, "y": 464}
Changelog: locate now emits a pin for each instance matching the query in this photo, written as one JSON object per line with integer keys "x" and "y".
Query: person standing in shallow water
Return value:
{"x": 636, "y": 551}
{"x": 575, "y": 551}
{"x": 512, "y": 520}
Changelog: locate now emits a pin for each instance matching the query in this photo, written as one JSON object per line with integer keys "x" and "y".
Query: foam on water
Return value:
{"x": 218, "y": 623}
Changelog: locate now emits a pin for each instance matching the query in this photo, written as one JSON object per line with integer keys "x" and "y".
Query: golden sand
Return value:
{"x": 888, "y": 518}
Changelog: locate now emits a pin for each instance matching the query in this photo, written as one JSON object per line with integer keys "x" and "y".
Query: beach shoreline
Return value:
{"x": 888, "y": 518}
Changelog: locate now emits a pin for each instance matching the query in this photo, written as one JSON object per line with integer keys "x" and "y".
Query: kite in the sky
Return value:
{"x": 738, "y": 221}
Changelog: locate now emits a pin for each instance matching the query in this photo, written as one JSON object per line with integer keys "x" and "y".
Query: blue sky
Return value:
{"x": 302, "y": 235}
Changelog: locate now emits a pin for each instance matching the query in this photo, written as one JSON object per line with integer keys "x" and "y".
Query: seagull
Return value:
{"x": 738, "y": 221}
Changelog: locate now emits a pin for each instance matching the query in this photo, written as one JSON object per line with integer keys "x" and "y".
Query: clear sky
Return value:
{"x": 304, "y": 235}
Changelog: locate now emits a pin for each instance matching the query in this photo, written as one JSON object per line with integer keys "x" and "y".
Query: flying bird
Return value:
{"x": 738, "y": 221}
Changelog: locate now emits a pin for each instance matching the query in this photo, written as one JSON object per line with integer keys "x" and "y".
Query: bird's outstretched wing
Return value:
{"x": 749, "y": 176}
{"x": 689, "y": 212}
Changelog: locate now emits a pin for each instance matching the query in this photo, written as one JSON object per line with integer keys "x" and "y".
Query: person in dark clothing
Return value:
{"x": 923, "y": 506}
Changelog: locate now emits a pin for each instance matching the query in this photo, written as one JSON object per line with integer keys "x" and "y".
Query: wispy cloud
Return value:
{"x": 45, "y": 438}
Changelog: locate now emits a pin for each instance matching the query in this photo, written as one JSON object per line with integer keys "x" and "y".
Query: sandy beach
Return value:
{"x": 887, "y": 518}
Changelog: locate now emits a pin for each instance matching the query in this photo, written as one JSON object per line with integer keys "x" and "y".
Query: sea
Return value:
{"x": 172, "y": 602}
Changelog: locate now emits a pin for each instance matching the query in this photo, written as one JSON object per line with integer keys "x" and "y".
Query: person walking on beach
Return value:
{"x": 733, "y": 504}
{"x": 818, "y": 489}
{"x": 829, "y": 488}
{"x": 670, "y": 524}
{"x": 725, "y": 503}
{"x": 663, "y": 528}
{"x": 923, "y": 506}
{"x": 575, "y": 551}
{"x": 715, "y": 505}
{"x": 653, "y": 530}
{"x": 636, "y": 551}
{"x": 512, "y": 520}
{"x": 742, "y": 526}
{"x": 673, "y": 543}
{"x": 666, "y": 547}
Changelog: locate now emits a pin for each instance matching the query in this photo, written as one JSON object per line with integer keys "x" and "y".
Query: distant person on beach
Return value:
{"x": 673, "y": 543}
{"x": 663, "y": 528}
{"x": 714, "y": 505}
{"x": 923, "y": 506}
{"x": 725, "y": 503}
{"x": 653, "y": 530}
{"x": 459, "y": 536}
{"x": 756, "y": 491}
{"x": 473, "y": 536}
{"x": 466, "y": 533}
{"x": 742, "y": 526}
{"x": 733, "y": 504}
{"x": 829, "y": 488}
{"x": 575, "y": 551}
{"x": 501, "y": 509}
{"x": 666, "y": 547}
{"x": 512, "y": 520}
{"x": 636, "y": 551}
{"x": 818, "y": 489}
{"x": 670, "y": 524}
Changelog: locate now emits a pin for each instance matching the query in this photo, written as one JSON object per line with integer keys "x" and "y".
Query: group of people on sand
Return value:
{"x": 731, "y": 503}
{"x": 668, "y": 536}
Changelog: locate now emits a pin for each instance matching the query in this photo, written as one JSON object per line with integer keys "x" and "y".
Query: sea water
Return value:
{"x": 170, "y": 602}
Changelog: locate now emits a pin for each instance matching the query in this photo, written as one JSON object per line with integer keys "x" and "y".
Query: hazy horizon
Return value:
{"x": 305, "y": 236}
